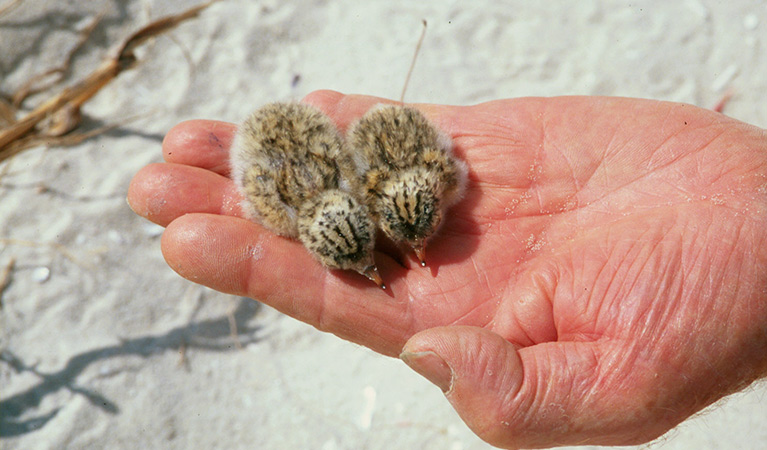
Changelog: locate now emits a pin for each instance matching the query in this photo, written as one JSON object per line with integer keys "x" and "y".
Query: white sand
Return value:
{"x": 97, "y": 332}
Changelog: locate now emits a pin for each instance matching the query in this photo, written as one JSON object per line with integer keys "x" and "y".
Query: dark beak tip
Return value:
{"x": 420, "y": 253}
{"x": 372, "y": 274}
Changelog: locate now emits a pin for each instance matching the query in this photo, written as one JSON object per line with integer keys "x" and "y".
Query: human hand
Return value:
{"x": 604, "y": 277}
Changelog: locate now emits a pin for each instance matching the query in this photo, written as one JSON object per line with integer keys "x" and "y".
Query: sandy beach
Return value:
{"x": 104, "y": 346}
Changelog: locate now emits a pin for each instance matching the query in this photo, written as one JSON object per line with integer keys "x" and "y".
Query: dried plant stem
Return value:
{"x": 64, "y": 107}
{"x": 8, "y": 6}
{"x": 30, "y": 87}
{"x": 412, "y": 62}
{"x": 233, "y": 329}
{"x": 7, "y": 112}
{"x": 64, "y": 251}
{"x": 75, "y": 96}
{"x": 5, "y": 277}
{"x": 719, "y": 107}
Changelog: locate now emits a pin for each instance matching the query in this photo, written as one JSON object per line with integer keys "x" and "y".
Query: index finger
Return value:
{"x": 237, "y": 256}
{"x": 205, "y": 143}
{"x": 200, "y": 143}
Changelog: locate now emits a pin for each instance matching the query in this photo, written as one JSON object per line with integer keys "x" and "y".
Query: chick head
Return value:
{"x": 339, "y": 231}
{"x": 409, "y": 207}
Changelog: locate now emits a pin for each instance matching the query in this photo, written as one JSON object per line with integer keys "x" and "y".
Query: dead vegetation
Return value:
{"x": 56, "y": 120}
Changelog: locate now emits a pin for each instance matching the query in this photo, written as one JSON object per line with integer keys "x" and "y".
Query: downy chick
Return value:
{"x": 287, "y": 161}
{"x": 408, "y": 173}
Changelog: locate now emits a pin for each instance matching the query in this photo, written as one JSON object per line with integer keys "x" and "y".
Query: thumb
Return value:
{"x": 543, "y": 395}
{"x": 479, "y": 372}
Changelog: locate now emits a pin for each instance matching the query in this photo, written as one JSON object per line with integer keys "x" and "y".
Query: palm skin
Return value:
{"x": 604, "y": 277}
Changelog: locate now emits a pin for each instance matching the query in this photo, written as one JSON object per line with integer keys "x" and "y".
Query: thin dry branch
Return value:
{"x": 60, "y": 248}
{"x": 54, "y": 140}
{"x": 70, "y": 99}
{"x": 55, "y": 74}
{"x": 233, "y": 328}
{"x": 719, "y": 107}
{"x": 5, "y": 277}
{"x": 9, "y": 6}
{"x": 7, "y": 112}
{"x": 412, "y": 62}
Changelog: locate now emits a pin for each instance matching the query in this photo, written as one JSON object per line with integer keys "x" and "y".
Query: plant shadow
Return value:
{"x": 213, "y": 334}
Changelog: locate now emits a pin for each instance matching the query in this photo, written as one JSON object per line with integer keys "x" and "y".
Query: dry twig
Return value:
{"x": 5, "y": 277}
{"x": 64, "y": 108}
{"x": 233, "y": 328}
{"x": 60, "y": 248}
{"x": 7, "y": 112}
{"x": 412, "y": 62}
{"x": 8, "y": 6}
{"x": 55, "y": 74}
{"x": 183, "y": 361}
{"x": 726, "y": 97}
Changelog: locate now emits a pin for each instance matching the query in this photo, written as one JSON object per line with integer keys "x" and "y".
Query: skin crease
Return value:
{"x": 604, "y": 277}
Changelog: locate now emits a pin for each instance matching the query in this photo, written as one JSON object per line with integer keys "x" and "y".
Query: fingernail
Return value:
{"x": 127, "y": 200}
{"x": 431, "y": 367}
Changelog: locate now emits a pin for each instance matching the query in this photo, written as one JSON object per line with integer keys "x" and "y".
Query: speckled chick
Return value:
{"x": 407, "y": 172}
{"x": 287, "y": 161}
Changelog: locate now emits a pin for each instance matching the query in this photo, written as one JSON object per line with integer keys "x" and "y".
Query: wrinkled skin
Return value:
{"x": 604, "y": 277}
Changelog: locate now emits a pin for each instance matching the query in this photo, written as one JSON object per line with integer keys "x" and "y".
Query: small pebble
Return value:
{"x": 115, "y": 237}
{"x": 366, "y": 418}
{"x": 725, "y": 78}
{"x": 750, "y": 22}
{"x": 85, "y": 23}
{"x": 41, "y": 274}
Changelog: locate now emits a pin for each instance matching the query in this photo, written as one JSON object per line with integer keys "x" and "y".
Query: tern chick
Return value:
{"x": 287, "y": 161}
{"x": 408, "y": 173}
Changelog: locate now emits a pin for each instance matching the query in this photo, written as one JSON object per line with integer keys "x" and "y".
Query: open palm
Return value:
{"x": 602, "y": 279}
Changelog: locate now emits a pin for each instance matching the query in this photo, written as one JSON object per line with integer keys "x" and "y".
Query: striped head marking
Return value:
{"x": 409, "y": 208}
{"x": 339, "y": 232}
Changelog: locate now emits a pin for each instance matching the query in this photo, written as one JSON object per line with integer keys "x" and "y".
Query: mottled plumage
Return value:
{"x": 407, "y": 172}
{"x": 287, "y": 161}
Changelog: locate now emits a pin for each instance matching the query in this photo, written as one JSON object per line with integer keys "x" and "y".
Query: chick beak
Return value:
{"x": 420, "y": 252}
{"x": 372, "y": 274}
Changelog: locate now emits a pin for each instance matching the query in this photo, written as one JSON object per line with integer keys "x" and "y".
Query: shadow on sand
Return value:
{"x": 213, "y": 334}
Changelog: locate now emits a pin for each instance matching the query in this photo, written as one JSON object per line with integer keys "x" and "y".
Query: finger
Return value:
{"x": 206, "y": 143}
{"x": 346, "y": 109}
{"x": 163, "y": 192}
{"x": 200, "y": 143}
{"x": 343, "y": 109}
{"x": 240, "y": 257}
{"x": 539, "y": 396}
